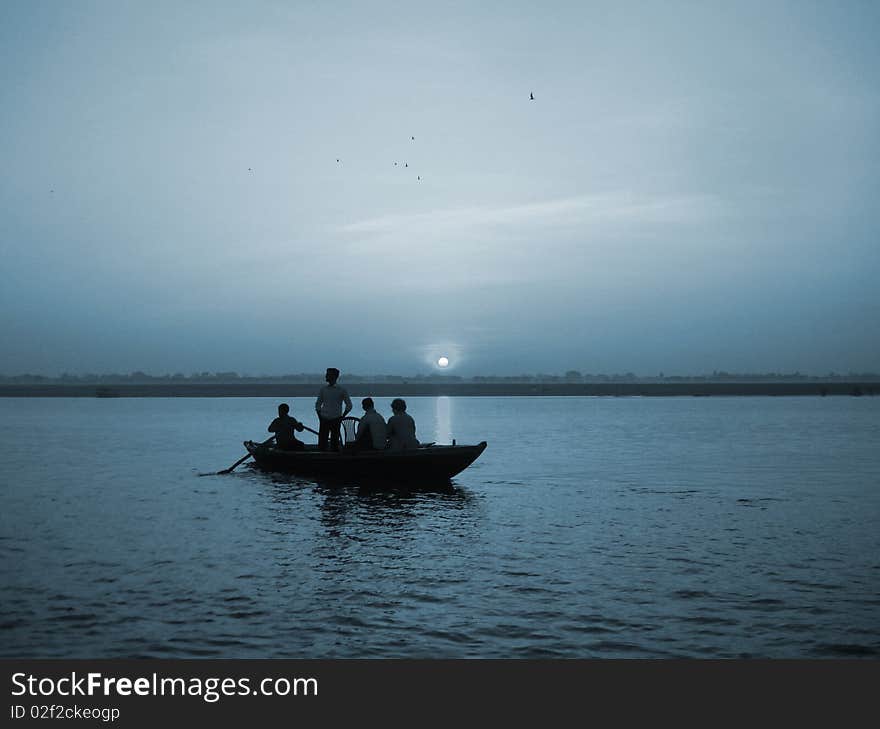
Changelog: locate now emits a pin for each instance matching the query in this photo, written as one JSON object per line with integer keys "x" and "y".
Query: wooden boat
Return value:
{"x": 427, "y": 463}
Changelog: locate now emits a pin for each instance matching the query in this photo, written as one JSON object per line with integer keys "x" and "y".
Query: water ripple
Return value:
{"x": 654, "y": 529}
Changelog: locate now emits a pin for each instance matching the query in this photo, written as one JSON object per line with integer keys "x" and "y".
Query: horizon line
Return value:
{"x": 568, "y": 376}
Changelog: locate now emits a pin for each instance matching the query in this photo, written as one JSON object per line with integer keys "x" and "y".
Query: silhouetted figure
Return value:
{"x": 413, "y": 138}
{"x": 284, "y": 426}
{"x": 401, "y": 427}
{"x": 531, "y": 97}
{"x": 418, "y": 177}
{"x": 406, "y": 164}
{"x": 371, "y": 432}
{"x": 329, "y": 409}
{"x": 337, "y": 160}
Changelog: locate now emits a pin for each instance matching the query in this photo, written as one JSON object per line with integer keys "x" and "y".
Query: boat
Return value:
{"x": 427, "y": 463}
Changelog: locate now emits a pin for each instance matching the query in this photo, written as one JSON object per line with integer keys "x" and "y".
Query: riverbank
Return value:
{"x": 456, "y": 389}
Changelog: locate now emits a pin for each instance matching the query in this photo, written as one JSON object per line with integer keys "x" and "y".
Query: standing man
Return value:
{"x": 329, "y": 409}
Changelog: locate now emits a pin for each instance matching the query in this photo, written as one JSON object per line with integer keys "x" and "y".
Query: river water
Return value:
{"x": 590, "y": 527}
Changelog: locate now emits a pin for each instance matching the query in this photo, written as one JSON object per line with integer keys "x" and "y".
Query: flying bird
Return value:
{"x": 406, "y": 164}
{"x": 337, "y": 159}
{"x": 413, "y": 138}
{"x": 418, "y": 177}
{"x": 531, "y": 96}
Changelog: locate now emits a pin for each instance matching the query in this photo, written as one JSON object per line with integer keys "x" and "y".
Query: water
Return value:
{"x": 590, "y": 527}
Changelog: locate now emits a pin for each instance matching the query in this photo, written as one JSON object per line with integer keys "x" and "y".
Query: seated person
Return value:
{"x": 401, "y": 428}
{"x": 284, "y": 426}
{"x": 371, "y": 428}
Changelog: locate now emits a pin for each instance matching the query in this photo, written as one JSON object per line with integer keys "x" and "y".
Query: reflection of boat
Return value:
{"x": 426, "y": 463}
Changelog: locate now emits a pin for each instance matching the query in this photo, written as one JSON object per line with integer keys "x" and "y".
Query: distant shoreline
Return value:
{"x": 456, "y": 389}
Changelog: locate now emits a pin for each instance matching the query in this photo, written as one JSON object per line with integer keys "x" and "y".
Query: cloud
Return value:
{"x": 584, "y": 210}
{"x": 496, "y": 247}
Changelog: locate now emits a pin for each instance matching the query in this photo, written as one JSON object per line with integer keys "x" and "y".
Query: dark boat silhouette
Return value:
{"x": 426, "y": 463}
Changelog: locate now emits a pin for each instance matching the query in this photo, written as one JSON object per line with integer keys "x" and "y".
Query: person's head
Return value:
{"x": 398, "y": 405}
{"x": 283, "y": 408}
{"x": 332, "y": 375}
{"x": 367, "y": 404}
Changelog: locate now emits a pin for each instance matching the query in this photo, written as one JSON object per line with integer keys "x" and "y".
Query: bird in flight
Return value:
{"x": 250, "y": 169}
{"x": 531, "y": 96}
{"x": 413, "y": 138}
{"x": 406, "y": 164}
{"x": 337, "y": 159}
{"x": 418, "y": 177}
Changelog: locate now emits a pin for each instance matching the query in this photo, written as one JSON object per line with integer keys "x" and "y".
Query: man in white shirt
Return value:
{"x": 371, "y": 428}
{"x": 329, "y": 409}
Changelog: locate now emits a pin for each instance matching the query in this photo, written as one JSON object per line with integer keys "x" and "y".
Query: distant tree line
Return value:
{"x": 141, "y": 378}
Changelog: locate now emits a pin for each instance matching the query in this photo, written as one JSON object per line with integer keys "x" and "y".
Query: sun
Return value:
{"x": 443, "y": 362}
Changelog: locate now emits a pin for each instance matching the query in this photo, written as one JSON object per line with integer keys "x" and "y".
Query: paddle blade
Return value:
{"x": 239, "y": 461}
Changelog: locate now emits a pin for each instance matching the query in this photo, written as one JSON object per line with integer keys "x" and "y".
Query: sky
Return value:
{"x": 212, "y": 186}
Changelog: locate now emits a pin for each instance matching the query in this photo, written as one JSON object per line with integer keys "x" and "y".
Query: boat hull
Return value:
{"x": 425, "y": 464}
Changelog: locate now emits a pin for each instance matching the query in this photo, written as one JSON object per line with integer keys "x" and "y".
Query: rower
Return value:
{"x": 284, "y": 426}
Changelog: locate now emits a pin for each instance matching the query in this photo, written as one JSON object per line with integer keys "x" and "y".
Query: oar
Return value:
{"x": 265, "y": 442}
{"x": 243, "y": 459}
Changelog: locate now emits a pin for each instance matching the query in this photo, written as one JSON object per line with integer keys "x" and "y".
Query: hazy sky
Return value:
{"x": 694, "y": 187}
